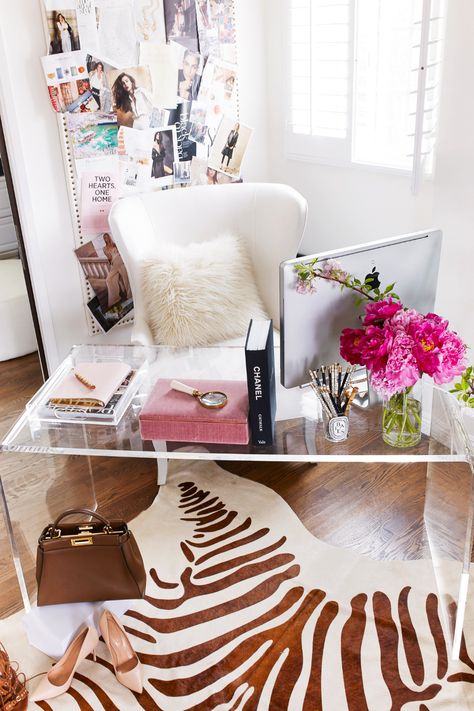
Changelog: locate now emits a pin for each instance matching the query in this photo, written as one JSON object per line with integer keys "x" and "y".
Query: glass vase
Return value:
{"x": 401, "y": 419}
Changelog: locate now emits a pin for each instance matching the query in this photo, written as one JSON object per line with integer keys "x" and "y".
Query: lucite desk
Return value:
{"x": 444, "y": 450}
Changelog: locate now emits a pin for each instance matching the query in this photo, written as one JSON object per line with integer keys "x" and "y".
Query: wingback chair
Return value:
{"x": 270, "y": 217}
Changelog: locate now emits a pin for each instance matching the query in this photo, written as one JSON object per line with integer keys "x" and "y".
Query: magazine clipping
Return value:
{"x": 229, "y": 147}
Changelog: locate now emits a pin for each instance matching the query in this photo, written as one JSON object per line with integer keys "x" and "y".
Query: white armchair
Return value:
{"x": 269, "y": 216}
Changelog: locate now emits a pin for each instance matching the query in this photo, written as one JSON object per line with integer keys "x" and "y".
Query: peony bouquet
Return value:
{"x": 396, "y": 344}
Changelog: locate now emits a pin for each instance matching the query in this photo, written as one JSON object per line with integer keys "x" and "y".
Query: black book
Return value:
{"x": 260, "y": 362}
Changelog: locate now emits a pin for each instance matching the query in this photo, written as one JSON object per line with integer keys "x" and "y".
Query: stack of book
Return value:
{"x": 93, "y": 392}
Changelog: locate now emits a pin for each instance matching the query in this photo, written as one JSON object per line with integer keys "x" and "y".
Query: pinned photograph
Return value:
{"x": 216, "y": 29}
{"x": 147, "y": 157}
{"x": 131, "y": 96}
{"x": 159, "y": 117}
{"x": 217, "y": 90}
{"x": 181, "y": 23}
{"x": 98, "y": 82}
{"x": 68, "y": 82}
{"x": 197, "y": 126}
{"x": 180, "y": 118}
{"x": 223, "y": 17}
{"x": 92, "y": 135}
{"x": 182, "y": 172}
{"x": 202, "y": 174}
{"x": 109, "y": 318}
{"x": 189, "y": 74}
{"x": 134, "y": 158}
{"x": 229, "y": 147}
{"x": 163, "y": 155}
{"x": 116, "y": 38}
{"x": 99, "y": 191}
{"x": 105, "y": 271}
{"x": 149, "y": 22}
{"x": 63, "y": 31}
{"x": 163, "y": 62}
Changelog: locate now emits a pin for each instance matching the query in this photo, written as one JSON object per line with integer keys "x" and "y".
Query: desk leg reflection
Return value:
{"x": 14, "y": 549}
{"x": 162, "y": 463}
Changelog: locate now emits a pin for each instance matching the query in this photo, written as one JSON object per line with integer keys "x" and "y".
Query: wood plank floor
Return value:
{"x": 374, "y": 509}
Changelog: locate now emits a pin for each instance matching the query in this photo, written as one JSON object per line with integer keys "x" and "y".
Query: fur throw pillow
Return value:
{"x": 201, "y": 293}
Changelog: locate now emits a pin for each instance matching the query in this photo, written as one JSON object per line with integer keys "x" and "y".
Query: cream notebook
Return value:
{"x": 75, "y": 389}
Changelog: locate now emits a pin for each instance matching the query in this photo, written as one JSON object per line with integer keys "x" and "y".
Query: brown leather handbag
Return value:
{"x": 87, "y": 562}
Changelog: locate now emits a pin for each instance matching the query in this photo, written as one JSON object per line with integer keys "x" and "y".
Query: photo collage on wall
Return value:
{"x": 148, "y": 89}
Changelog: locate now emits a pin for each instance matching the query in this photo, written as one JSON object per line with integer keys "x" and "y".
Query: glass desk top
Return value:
{"x": 299, "y": 430}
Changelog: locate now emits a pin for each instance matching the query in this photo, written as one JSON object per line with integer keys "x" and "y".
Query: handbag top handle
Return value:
{"x": 87, "y": 512}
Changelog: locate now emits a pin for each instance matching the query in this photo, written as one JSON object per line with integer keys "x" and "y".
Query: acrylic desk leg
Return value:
{"x": 160, "y": 446}
{"x": 14, "y": 549}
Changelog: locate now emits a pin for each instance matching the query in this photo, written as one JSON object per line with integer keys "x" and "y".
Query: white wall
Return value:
{"x": 351, "y": 205}
{"x": 453, "y": 205}
{"x": 32, "y": 138}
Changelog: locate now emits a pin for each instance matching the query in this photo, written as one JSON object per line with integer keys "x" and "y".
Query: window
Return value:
{"x": 365, "y": 78}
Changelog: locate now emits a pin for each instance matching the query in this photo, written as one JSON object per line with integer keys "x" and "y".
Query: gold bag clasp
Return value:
{"x": 81, "y": 541}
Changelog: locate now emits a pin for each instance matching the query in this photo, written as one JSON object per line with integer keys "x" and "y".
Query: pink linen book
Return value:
{"x": 177, "y": 417}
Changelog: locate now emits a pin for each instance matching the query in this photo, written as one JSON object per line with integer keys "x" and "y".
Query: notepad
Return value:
{"x": 106, "y": 378}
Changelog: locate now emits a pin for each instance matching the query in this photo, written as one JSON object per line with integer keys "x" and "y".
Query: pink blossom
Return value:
{"x": 332, "y": 269}
{"x": 305, "y": 287}
{"x": 380, "y": 310}
{"x": 374, "y": 346}
{"x": 349, "y": 345}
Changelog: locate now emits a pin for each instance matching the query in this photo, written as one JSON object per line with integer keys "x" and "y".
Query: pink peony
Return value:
{"x": 380, "y": 310}
{"x": 452, "y": 359}
{"x": 374, "y": 346}
{"x": 427, "y": 343}
{"x": 404, "y": 319}
{"x": 349, "y": 344}
{"x": 401, "y": 369}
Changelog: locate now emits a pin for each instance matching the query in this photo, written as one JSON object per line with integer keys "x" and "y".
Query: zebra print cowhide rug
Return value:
{"x": 246, "y": 610}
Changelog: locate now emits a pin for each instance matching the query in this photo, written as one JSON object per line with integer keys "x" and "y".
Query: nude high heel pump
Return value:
{"x": 127, "y": 667}
{"x": 59, "y": 678}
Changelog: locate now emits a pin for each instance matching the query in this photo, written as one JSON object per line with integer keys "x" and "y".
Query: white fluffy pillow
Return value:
{"x": 200, "y": 293}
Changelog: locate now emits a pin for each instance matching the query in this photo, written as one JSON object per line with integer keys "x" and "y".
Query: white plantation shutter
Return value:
{"x": 300, "y": 24}
{"x": 428, "y": 71}
{"x": 365, "y": 78}
{"x": 321, "y": 74}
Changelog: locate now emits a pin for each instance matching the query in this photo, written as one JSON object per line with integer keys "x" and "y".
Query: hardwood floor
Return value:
{"x": 374, "y": 509}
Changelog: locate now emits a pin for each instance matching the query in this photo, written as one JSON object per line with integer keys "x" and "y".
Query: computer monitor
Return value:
{"x": 311, "y": 324}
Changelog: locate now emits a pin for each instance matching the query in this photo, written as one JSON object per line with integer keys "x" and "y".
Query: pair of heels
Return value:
{"x": 126, "y": 664}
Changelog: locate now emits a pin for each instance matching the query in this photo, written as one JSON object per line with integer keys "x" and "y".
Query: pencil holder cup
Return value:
{"x": 336, "y": 429}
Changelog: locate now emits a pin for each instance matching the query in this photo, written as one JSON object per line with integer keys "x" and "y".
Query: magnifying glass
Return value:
{"x": 214, "y": 399}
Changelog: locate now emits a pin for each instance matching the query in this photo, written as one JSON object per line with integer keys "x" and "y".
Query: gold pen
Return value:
{"x": 349, "y": 401}
{"x": 82, "y": 379}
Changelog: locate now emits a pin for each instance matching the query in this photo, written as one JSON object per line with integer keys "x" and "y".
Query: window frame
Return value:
{"x": 336, "y": 152}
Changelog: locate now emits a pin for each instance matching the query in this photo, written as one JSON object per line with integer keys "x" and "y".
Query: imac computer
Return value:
{"x": 311, "y": 323}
